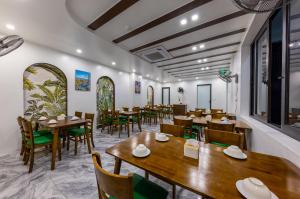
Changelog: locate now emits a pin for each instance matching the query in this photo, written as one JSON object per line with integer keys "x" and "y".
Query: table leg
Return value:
{"x": 54, "y": 147}
{"x": 128, "y": 125}
{"x": 139, "y": 124}
{"x": 118, "y": 163}
{"x": 87, "y": 133}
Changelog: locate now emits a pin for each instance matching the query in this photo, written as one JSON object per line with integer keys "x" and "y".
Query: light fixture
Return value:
{"x": 202, "y": 46}
{"x": 202, "y": 68}
{"x": 207, "y": 68}
{"x": 197, "y": 78}
{"x": 120, "y": 73}
{"x": 10, "y": 26}
{"x": 147, "y": 75}
{"x": 195, "y": 17}
{"x": 199, "y": 61}
{"x": 165, "y": 81}
{"x": 133, "y": 70}
{"x": 291, "y": 45}
{"x": 183, "y": 22}
{"x": 79, "y": 51}
{"x": 179, "y": 80}
{"x": 194, "y": 48}
{"x": 113, "y": 63}
{"x": 140, "y": 76}
{"x": 205, "y": 60}
{"x": 157, "y": 79}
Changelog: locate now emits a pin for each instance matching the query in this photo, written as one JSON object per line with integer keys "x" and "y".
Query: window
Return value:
{"x": 275, "y": 71}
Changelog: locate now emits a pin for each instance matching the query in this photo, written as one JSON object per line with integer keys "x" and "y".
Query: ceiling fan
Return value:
{"x": 259, "y": 6}
{"x": 10, "y": 43}
{"x": 226, "y": 76}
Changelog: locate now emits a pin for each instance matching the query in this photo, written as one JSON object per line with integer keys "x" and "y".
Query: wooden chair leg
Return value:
{"x": 92, "y": 139}
{"x": 26, "y": 155}
{"x": 22, "y": 148}
{"x": 68, "y": 143}
{"x": 146, "y": 175}
{"x": 59, "y": 149}
{"x": 76, "y": 143}
{"x": 31, "y": 160}
{"x": 174, "y": 191}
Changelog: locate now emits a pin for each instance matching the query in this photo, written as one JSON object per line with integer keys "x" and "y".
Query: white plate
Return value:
{"x": 141, "y": 156}
{"x": 162, "y": 140}
{"x": 240, "y": 188}
{"x": 242, "y": 157}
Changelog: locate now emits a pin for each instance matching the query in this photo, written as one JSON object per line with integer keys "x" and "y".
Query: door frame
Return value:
{"x": 210, "y": 90}
{"x": 162, "y": 94}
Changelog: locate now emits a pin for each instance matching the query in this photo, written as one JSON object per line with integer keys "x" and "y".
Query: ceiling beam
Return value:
{"x": 198, "y": 68}
{"x": 111, "y": 13}
{"x": 202, "y": 51}
{"x": 175, "y": 13}
{"x": 215, "y": 55}
{"x": 198, "y": 74}
{"x": 186, "y": 66}
{"x": 196, "y": 28}
{"x": 209, "y": 39}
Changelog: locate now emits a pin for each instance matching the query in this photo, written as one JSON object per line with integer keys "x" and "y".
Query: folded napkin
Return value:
{"x": 75, "y": 118}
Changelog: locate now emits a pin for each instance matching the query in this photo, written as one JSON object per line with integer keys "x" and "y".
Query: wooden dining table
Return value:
{"x": 61, "y": 124}
{"x": 215, "y": 174}
{"x": 129, "y": 114}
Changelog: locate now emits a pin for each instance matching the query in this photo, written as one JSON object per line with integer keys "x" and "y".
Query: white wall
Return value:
{"x": 263, "y": 138}
{"x": 190, "y": 92}
{"x": 11, "y": 87}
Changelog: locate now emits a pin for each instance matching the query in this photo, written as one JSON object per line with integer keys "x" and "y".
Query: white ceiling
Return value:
{"x": 51, "y": 23}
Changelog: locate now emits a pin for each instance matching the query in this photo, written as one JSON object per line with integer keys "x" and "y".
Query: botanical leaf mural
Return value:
{"x": 45, "y": 91}
{"x": 105, "y": 96}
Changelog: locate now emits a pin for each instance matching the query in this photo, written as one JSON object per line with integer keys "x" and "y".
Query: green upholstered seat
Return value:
{"x": 220, "y": 144}
{"x": 41, "y": 133}
{"x": 77, "y": 131}
{"x": 123, "y": 117}
{"x": 45, "y": 139}
{"x": 145, "y": 189}
{"x": 192, "y": 136}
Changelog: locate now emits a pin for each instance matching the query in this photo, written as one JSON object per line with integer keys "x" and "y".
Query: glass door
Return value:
{"x": 204, "y": 96}
{"x": 166, "y": 95}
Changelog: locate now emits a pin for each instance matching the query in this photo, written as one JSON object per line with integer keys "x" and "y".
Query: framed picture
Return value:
{"x": 137, "y": 87}
{"x": 82, "y": 80}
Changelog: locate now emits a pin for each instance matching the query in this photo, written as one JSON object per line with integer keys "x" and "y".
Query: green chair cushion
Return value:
{"x": 145, "y": 189}
{"x": 77, "y": 131}
{"x": 123, "y": 117}
{"x": 42, "y": 140}
{"x": 41, "y": 132}
{"x": 220, "y": 144}
{"x": 188, "y": 136}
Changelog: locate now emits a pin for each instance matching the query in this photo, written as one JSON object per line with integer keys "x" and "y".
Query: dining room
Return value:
{"x": 148, "y": 99}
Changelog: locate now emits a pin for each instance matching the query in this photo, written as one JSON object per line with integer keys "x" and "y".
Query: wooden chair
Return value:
{"x": 32, "y": 142}
{"x": 195, "y": 113}
{"x": 118, "y": 121}
{"x": 187, "y": 124}
{"x": 124, "y": 187}
{"x": 224, "y": 138}
{"x": 220, "y": 127}
{"x": 213, "y": 111}
{"x": 218, "y": 115}
{"x": 135, "y": 118}
{"x": 125, "y": 109}
{"x": 78, "y": 114}
{"x": 74, "y": 134}
{"x": 176, "y": 130}
{"x": 200, "y": 109}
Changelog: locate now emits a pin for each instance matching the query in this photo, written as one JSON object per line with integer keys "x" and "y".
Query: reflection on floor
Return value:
{"x": 73, "y": 177}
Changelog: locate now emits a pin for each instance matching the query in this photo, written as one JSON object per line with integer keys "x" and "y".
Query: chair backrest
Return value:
{"x": 78, "y": 114}
{"x": 19, "y": 120}
{"x": 28, "y": 133}
{"x": 220, "y": 127}
{"x": 89, "y": 117}
{"x": 109, "y": 184}
{"x": 200, "y": 109}
{"x": 196, "y": 113}
{"x": 224, "y": 137}
{"x": 176, "y": 130}
{"x": 125, "y": 109}
{"x": 216, "y": 111}
{"x": 186, "y": 123}
{"x": 218, "y": 115}
{"x": 136, "y": 109}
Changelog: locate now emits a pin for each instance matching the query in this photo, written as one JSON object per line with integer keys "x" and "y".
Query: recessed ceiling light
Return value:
{"x": 205, "y": 60}
{"x": 207, "y": 68}
{"x": 10, "y": 26}
{"x": 291, "y": 45}
{"x": 133, "y": 70}
{"x": 199, "y": 61}
{"x": 140, "y": 76}
{"x": 195, "y": 17}
{"x": 197, "y": 77}
{"x": 147, "y": 75}
{"x": 165, "y": 81}
{"x": 194, "y": 48}
{"x": 202, "y": 46}
{"x": 79, "y": 51}
{"x": 179, "y": 80}
{"x": 157, "y": 79}
{"x": 202, "y": 68}
{"x": 113, "y": 63}
{"x": 183, "y": 22}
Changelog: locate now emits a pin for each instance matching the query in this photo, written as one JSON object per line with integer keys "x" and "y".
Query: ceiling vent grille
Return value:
{"x": 155, "y": 54}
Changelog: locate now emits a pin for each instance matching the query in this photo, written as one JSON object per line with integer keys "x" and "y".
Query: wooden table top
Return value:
{"x": 215, "y": 174}
{"x": 202, "y": 122}
{"x": 62, "y": 123}
{"x": 128, "y": 113}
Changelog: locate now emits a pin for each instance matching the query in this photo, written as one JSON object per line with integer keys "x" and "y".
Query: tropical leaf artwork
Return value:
{"x": 105, "y": 96}
{"x": 45, "y": 91}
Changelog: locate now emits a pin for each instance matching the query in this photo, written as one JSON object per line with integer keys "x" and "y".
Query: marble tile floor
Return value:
{"x": 73, "y": 177}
